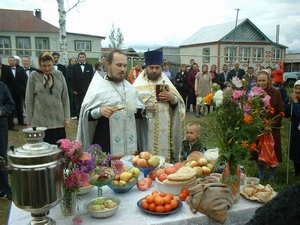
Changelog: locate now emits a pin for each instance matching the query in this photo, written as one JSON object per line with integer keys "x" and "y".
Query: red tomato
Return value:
{"x": 186, "y": 191}
{"x": 182, "y": 196}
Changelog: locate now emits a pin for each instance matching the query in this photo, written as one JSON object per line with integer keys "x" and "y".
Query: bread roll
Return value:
{"x": 195, "y": 156}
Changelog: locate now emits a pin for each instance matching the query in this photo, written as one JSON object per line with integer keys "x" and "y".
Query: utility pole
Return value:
{"x": 233, "y": 39}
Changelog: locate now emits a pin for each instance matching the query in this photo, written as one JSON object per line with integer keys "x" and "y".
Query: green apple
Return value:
{"x": 107, "y": 203}
{"x": 154, "y": 160}
{"x": 135, "y": 171}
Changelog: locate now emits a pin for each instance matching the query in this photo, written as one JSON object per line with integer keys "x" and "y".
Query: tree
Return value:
{"x": 116, "y": 38}
{"x": 62, "y": 28}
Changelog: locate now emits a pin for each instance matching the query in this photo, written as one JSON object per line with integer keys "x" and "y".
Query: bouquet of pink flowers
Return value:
{"x": 81, "y": 165}
{"x": 78, "y": 164}
{"x": 241, "y": 115}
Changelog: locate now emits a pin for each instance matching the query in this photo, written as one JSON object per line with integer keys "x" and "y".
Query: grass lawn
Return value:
{"x": 208, "y": 138}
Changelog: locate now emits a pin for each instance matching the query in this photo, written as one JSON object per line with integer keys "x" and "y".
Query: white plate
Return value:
{"x": 128, "y": 158}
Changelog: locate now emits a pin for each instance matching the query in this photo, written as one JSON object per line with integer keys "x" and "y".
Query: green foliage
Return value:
{"x": 116, "y": 38}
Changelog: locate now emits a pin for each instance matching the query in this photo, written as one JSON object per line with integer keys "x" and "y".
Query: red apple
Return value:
{"x": 159, "y": 172}
{"x": 145, "y": 155}
{"x": 152, "y": 175}
{"x": 143, "y": 184}
{"x": 162, "y": 177}
{"x": 178, "y": 165}
{"x": 149, "y": 181}
{"x": 170, "y": 170}
{"x": 142, "y": 163}
{"x": 206, "y": 170}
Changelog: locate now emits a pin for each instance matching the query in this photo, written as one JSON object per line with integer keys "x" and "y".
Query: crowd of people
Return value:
{"x": 144, "y": 111}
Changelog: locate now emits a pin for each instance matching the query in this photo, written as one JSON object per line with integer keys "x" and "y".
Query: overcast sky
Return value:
{"x": 155, "y": 23}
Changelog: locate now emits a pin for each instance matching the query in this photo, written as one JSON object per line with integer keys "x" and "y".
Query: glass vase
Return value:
{"x": 232, "y": 178}
{"x": 68, "y": 203}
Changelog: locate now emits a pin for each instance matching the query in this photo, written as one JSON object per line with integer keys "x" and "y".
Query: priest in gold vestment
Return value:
{"x": 162, "y": 129}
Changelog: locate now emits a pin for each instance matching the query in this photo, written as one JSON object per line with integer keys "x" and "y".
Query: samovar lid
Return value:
{"x": 35, "y": 146}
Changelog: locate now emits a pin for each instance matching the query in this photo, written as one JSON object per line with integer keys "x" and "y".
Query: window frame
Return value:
{"x": 25, "y": 50}
{"x": 243, "y": 58}
{"x": 206, "y": 57}
{"x": 85, "y": 42}
{"x": 276, "y": 53}
{"x": 4, "y": 51}
{"x": 257, "y": 59}
{"x": 40, "y": 50}
{"x": 232, "y": 57}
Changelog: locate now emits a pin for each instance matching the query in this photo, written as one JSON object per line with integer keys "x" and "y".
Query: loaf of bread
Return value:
{"x": 180, "y": 182}
{"x": 183, "y": 174}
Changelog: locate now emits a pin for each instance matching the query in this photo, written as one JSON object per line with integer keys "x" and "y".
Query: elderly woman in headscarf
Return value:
{"x": 47, "y": 100}
{"x": 264, "y": 81}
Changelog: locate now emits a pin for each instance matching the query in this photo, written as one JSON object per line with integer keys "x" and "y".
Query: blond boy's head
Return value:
{"x": 193, "y": 131}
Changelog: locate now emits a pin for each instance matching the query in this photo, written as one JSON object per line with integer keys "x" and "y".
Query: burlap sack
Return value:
{"x": 211, "y": 199}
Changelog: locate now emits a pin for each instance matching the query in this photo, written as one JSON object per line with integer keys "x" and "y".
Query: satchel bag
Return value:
{"x": 211, "y": 199}
{"x": 266, "y": 150}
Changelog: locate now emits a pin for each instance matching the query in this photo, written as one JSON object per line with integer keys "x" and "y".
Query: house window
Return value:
{"x": 245, "y": 54}
{"x": 5, "y": 43}
{"x": 83, "y": 46}
{"x": 41, "y": 45}
{"x": 23, "y": 44}
{"x": 258, "y": 54}
{"x": 206, "y": 55}
{"x": 230, "y": 54}
{"x": 276, "y": 54}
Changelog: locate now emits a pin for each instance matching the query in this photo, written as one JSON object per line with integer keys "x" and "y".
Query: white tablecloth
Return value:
{"x": 129, "y": 213}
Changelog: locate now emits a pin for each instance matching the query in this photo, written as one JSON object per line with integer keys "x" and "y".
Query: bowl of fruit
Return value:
{"x": 159, "y": 203}
{"x": 102, "y": 207}
{"x": 85, "y": 189}
{"x": 122, "y": 186}
{"x": 124, "y": 182}
{"x": 146, "y": 162}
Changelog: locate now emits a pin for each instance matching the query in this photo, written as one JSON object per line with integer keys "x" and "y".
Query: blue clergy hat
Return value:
{"x": 153, "y": 58}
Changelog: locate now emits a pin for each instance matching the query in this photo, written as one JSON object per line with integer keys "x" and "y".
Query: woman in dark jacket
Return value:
{"x": 181, "y": 82}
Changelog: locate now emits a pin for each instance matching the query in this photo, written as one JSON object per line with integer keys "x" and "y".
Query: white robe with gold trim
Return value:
{"x": 165, "y": 132}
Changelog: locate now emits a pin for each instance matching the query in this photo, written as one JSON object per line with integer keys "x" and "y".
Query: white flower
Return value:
{"x": 218, "y": 97}
{"x": 237, "y": 82}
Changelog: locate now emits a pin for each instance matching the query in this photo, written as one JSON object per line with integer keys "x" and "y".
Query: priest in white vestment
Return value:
{"x": 107, "y": 115}
{"x": 162, "y": 130}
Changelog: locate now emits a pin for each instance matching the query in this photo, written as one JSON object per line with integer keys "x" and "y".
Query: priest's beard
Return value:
{"x": 153, "y": 76}
{"x": 116, "y": 79}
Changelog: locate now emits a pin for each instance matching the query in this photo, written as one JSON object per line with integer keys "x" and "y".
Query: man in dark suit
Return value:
{"x": 236, "y": 71}
{"x": 27, "y": 65}
{"x": 82, "y": 74}
{"x": 18, "y": 91}
{"x": 223, "y": 77}
{"x": 57, "y": 65}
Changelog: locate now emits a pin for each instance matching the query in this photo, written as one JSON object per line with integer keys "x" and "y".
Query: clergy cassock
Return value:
{"x": 163, "y": 134}
{"x": 121, "y": 130}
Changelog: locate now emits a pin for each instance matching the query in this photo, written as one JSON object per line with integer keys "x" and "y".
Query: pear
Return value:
{"x": 131, "y": 179}
{"x": 125, "y": 176}
{"x": 122, "y": 183}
